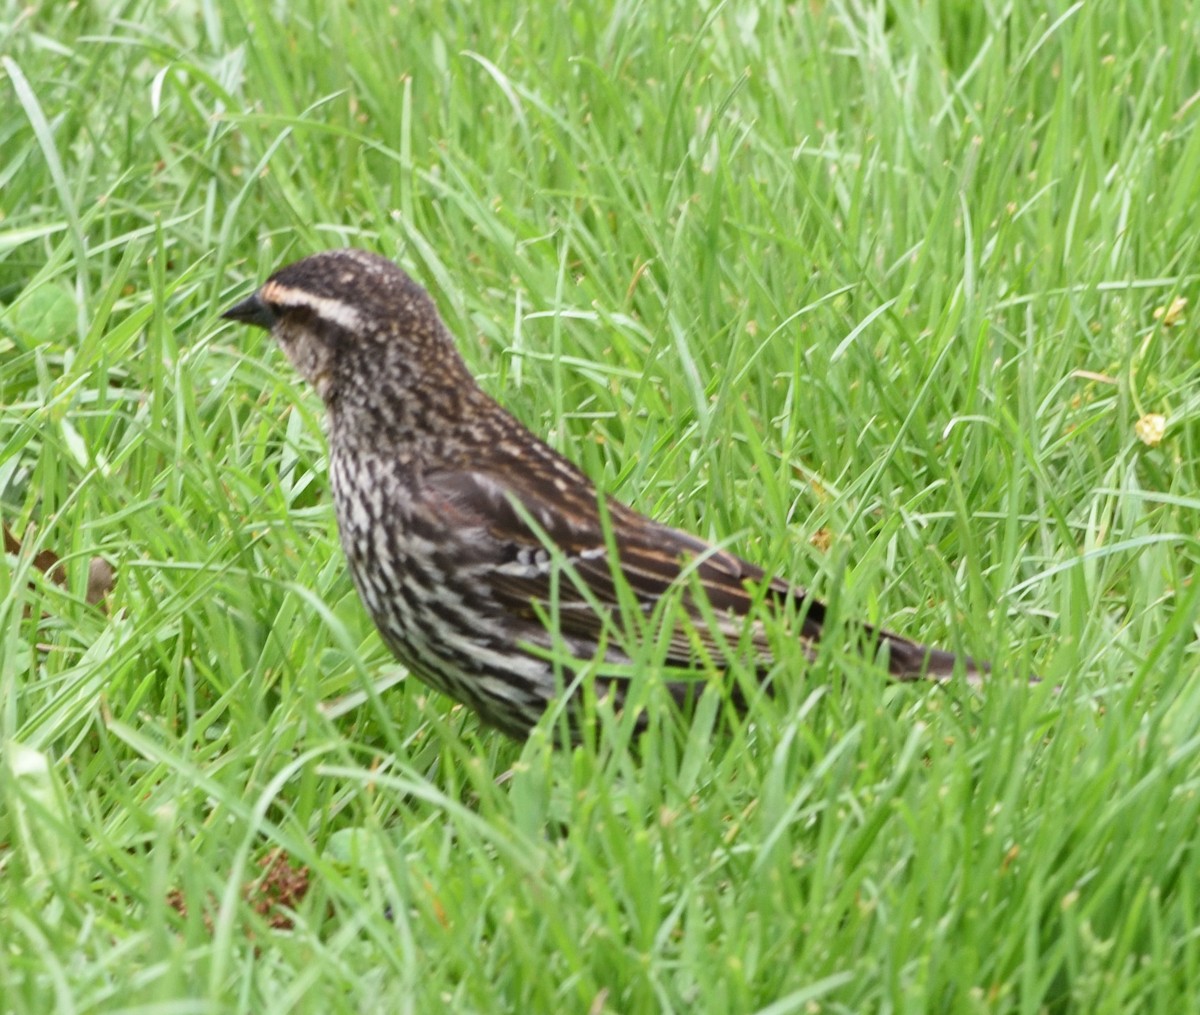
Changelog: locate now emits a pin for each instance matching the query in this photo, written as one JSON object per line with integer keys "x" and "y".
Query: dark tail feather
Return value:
{"x": 909, "y": 661}
{"x": 906, "y": 660}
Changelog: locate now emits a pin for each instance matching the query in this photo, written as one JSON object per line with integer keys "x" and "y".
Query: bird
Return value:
{"x": 482, "y": 554}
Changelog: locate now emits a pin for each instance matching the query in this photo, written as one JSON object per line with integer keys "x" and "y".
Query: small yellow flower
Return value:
{"x": 1170, "y": 315}
{"x": 1150, "y": 428}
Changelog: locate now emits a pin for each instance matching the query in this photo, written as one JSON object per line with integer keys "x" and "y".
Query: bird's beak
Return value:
{"x": 251, "y": 310}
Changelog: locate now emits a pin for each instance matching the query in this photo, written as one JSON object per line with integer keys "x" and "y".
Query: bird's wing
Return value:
{"x": 518, "y": 517}
{"x": 652, "y": 558}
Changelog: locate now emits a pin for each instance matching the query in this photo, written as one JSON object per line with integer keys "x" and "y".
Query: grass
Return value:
{"x": 874, "y": 293}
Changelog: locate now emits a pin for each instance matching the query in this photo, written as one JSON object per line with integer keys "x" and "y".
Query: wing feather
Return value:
{"x": 522, "y": 516}
{"x": 652, "y": 559}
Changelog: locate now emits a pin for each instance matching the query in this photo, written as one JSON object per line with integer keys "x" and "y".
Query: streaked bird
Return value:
{"x": 479, "y": 551}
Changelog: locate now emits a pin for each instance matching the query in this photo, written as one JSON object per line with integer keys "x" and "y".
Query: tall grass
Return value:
{"x": 874, "y": 294}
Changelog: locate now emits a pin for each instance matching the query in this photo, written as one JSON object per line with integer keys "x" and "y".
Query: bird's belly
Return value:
{"x": 447, "y": 634}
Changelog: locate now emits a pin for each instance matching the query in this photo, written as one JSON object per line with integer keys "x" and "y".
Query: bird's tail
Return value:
{"x": 908, "y": 660}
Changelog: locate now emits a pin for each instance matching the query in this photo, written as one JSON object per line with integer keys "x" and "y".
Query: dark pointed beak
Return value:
{"x": 251, "y": 310}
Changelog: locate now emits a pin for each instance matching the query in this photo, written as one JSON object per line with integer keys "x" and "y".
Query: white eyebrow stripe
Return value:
{"x": 339, "y": 313}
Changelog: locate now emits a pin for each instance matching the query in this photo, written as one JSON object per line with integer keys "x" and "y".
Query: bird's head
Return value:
{"x": 344, "y": 316}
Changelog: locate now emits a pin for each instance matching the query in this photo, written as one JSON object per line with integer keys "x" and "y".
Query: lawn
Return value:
{"x": 890, "y": 298}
